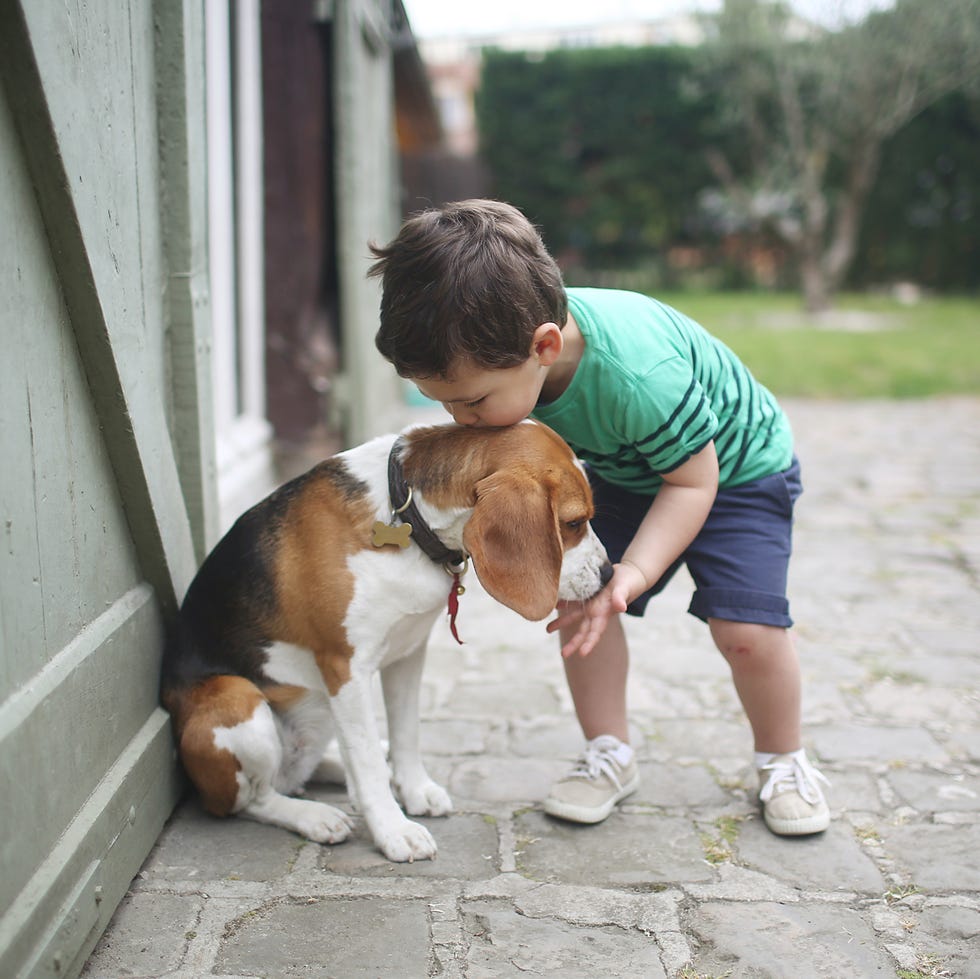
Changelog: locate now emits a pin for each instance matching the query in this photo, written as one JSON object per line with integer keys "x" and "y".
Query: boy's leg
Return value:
{"x": 766, "y": 672}
{"x": 597, "y": 683}
{"x": 606, "y": 772}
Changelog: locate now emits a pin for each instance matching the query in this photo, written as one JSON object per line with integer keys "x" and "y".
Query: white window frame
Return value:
{"x": 235, "y": 253}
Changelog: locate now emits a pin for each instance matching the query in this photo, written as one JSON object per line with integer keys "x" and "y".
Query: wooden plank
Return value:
{"x": 179, "y": 59}
{"x": 51, "y": 927}
{"x": 365, "y": 162}
{"x": 158, "y": 525}
{"x": 88, "y": 774}
{"x": 62, "y": 516}
{"x": 61, "y": 732}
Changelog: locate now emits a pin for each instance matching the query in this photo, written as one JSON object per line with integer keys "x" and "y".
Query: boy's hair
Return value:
{"x": 469, "y": 281}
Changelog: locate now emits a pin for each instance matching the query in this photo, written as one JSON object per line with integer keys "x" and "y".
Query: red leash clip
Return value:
{"x": 455, "y": 590}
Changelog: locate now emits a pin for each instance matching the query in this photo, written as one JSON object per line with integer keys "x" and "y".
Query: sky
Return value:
{"x": 465, "y": 18}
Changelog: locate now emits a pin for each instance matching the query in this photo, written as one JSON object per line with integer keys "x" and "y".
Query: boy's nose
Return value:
{"x": 462, "y": 415}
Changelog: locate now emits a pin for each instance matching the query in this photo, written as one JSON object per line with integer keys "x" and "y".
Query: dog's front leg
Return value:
{"x": 401, "y": 682}
{"x": 398, "y": 838}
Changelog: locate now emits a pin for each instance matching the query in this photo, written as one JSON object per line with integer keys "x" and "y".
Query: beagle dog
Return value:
{"x": 341, "y": 573}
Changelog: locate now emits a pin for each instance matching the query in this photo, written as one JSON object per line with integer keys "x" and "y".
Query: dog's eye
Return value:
{"x": 574, "y": 524}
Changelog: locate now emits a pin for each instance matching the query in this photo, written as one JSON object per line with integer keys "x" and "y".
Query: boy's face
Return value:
{"x": 488, "y": 398}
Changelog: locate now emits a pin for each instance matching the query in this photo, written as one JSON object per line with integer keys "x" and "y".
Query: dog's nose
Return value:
{"x": 605, "y": 573}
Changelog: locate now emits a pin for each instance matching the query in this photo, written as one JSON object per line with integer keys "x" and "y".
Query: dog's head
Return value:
{"x": 529, "y": 536}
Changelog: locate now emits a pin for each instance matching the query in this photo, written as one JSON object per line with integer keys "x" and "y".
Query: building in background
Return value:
{"x": 454, "y": 64}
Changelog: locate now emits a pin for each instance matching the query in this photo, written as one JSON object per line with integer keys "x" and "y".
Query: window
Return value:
{"x": 235, "y": 242}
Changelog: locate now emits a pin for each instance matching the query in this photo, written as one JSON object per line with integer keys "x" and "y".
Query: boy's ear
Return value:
{"x": 547, "y": 343}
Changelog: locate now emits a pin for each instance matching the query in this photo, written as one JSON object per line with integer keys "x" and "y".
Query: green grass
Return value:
{"x": 867, "y": 347}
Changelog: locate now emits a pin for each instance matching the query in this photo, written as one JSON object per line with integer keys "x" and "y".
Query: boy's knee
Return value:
{"x": 740, "y": 640}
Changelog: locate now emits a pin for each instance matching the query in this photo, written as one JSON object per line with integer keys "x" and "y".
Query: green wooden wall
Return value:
{"x": 102, "y": 493}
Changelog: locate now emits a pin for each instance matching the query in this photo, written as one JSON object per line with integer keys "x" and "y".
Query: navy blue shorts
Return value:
{"x": 739, "y": 560}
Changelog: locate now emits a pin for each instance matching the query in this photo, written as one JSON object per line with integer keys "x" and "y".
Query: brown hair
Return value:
{"x": 470, "y": 280}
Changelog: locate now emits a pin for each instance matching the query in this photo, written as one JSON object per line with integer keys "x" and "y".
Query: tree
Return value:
{"x": 812, "y": 109}
{"x": 601, "y": 147}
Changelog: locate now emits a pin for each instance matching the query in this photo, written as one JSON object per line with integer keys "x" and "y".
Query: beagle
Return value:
{"x": 341, "y": 573}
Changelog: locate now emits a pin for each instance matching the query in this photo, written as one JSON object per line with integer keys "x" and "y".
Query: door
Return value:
{"x": 106, "y": 475}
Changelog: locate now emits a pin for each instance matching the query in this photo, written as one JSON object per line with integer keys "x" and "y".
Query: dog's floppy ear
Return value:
{"x": 514, "y": 542}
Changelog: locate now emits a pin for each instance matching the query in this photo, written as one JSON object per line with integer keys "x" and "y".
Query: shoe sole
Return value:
{"x": 586, "y": 814}
{"x": 816, "y": 823}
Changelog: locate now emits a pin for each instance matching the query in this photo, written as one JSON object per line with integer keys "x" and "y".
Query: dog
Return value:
{"x": 341, "y": 573}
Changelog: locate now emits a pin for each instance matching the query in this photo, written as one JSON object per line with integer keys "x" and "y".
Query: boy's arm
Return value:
{"x": 677, "y": 513}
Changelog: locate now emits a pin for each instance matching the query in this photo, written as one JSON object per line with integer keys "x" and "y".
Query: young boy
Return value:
{"x": 690, "y": 458}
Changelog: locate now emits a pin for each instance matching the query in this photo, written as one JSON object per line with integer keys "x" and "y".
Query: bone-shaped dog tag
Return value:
{"x": 386, "y": 533}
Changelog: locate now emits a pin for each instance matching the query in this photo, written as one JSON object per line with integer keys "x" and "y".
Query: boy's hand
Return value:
{"x": 593, "y": 616}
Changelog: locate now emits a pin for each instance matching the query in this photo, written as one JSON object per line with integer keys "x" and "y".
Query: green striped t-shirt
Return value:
{"x": 653, "y": 388}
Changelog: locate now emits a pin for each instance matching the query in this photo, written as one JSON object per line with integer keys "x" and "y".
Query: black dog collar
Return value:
{"x": 403, "y": 508}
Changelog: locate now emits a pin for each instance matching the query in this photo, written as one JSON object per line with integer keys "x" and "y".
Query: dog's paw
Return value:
{"x": 406, "y": 843}
{"x": 323, "y": 824}
{"x": 425, "y": 799}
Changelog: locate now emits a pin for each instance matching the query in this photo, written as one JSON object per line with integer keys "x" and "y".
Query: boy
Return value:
{"x": 690, "y": 458}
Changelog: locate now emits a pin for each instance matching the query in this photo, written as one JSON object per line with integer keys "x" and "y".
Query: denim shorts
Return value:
{"x": 740, "y": 558}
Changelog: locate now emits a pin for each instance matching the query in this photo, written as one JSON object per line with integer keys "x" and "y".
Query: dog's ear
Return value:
{"x": 514, "y": 542}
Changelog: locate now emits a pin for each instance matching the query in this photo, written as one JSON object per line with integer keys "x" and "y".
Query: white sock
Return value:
{"x": 762, "y": 758}
{"x": 623, "y": 752}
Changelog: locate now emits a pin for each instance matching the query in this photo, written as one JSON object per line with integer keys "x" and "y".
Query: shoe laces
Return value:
{"x": 798, "y": 771}
{"x": 596, "y": 760}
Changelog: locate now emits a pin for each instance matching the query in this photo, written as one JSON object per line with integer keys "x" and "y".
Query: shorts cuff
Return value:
{"x": 738, "y": 605}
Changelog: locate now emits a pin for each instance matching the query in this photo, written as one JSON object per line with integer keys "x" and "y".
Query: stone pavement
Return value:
{"x": 684, "y": 880}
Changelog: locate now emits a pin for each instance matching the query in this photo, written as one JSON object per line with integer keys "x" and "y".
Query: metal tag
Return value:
{"x": 386, "y": 533}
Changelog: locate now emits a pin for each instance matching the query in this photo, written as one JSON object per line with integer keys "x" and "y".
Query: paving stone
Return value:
{"x": 504, "y": 944}
{"x": 328, "y": 937}
{"x": 918, "y": 703}
{"x": 147, "y": 938}
{"x": 468, "y": 850}
{"x": 963, "y": 743}
{"x": 515, "y": 780}
{"x": 548, "y": 736}
{"x": 453, "y": 738}
{"x": 877, "y": 745}
{"x": 521, "y": 699}
{"x": 948, "y": 640}
{"x": 583, "y": 905}
{"x": 773, "y": 941}
{"x": 951, "y": 934}
{"x": 699, "y": 740}
{"x": 937, "y": 792}
{"x": 829, "y": 861}
{"x": 852, "y": 791}
{"x": 678, "y": 786}
{"x": 196, "y": 846}
{"x": 733, "y": 883}
{"x": 632, "y": 850}
{"x": 938, "y": 858}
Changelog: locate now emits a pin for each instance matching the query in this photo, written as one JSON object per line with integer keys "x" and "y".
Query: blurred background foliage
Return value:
{"x": 738, "y": 163}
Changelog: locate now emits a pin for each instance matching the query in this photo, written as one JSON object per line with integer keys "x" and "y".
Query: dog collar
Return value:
{"x": 414, "y": 528}
{"x": 403, "y": 509}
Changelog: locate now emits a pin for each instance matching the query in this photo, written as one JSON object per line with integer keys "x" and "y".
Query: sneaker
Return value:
{"x": 792, "y": 803}
{"x": 603, "y": 776}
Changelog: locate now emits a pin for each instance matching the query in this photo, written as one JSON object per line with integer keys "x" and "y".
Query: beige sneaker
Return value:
{"x": 792, "y": 803}
{"x": 604, "y": 775}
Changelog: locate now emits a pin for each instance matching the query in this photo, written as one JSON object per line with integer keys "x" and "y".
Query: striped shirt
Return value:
{"x": 653, "y": 388}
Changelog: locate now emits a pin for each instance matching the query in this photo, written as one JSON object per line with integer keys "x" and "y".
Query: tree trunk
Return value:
{"x": 824, "y": 264}
{"x": 839, "y": 255}
{"x": 817, "y": 295}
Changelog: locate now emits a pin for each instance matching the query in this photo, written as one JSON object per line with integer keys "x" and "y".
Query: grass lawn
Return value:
{"x": 867, "y": 347}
